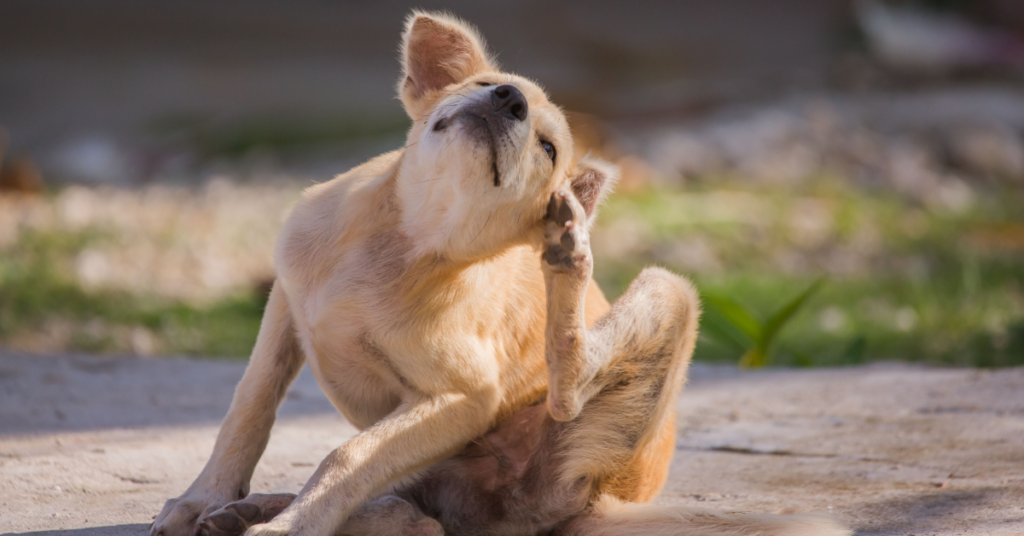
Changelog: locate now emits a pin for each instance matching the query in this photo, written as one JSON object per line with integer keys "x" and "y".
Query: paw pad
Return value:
{"x": 564, "y": 230}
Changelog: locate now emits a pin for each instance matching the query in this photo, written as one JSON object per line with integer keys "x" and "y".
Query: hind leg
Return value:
{"x": 389, "y": 515}
{"x": 637, "y": 355}
{"x": 616, "y": 383}
{"x": 655, "y": 321}
{"x": 235, "y": 518}
{"x": 384, "y": 516}
{"x": 615, "y": 386}
{"x": 531, "y": 473}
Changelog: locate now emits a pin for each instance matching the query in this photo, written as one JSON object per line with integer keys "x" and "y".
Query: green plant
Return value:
{"x": 732, "y": 323}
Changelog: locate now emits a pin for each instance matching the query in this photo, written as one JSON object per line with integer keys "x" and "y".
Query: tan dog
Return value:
{"x": 415, "y": 288}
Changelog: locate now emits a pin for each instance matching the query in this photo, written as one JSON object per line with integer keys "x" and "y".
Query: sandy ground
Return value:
{"x": 93, "y": 446}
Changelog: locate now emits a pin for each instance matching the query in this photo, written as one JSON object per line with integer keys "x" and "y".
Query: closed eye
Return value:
{"x": 484, "y": 84}
{"x": 549, "y": 148}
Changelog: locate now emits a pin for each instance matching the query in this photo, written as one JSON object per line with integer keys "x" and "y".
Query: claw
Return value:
{"x": 552, "y": 208}
{"x": 247, "y": 511}
{"x": 227, "y": 522}
{"x": 235, "y": 518}
{"x": 564, "y": 236}
{"x": 565, "y": 211}
{"x": 568, "y": 242}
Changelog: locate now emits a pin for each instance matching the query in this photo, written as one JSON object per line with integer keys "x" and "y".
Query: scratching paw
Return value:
{"x": 565, "y": 233}
{"x": 236, "y": 518}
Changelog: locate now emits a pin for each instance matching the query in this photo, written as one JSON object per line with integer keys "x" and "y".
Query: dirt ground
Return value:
{"x": 93, "y": 445}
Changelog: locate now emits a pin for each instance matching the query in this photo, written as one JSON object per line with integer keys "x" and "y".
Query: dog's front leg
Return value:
{"x": 420, "y": 432}
{"x": 275, "y": 362}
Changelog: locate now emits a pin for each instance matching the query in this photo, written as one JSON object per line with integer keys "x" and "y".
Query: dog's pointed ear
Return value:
{"x": 591, "y": 180}
{"x": 437, "y": 50}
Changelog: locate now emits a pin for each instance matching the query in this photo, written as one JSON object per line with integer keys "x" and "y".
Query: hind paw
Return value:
{"x": 567, "y": 243}
{"x": 235, "y": 518}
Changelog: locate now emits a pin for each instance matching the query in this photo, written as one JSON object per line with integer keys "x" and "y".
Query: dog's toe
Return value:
{"x": 236, "y": 518}
{"x": 565, "y": 232}
{"x": 248, "y": 511}
{"x": 223, "y": 523}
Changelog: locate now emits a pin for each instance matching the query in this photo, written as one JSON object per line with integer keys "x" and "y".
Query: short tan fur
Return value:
{"x": 442, "y": 295}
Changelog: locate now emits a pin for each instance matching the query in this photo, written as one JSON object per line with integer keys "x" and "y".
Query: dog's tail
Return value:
{"x": 611, "y": 517}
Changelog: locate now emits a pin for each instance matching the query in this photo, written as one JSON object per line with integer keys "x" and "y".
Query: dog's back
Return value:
{"x": 437, "y": 292}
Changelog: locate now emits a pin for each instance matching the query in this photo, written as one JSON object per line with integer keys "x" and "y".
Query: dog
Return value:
{"x": 442, "y": 296}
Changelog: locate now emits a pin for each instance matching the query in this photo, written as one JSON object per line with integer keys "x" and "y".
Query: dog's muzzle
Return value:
{"x": 510, "y": 103}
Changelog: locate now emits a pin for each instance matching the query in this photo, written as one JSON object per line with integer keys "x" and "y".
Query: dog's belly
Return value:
{"x": 506, "y": 482}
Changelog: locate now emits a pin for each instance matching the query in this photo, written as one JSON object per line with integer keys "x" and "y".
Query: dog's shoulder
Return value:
{"x": 334, "y": 214}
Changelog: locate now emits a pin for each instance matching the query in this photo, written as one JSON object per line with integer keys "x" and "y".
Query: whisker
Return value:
{"x": 478, "y": 233}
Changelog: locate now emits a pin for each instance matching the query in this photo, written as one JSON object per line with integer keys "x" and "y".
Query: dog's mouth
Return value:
{"x": 482, "y": 130}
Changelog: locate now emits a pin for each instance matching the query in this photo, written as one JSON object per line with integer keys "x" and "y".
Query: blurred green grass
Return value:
{"x": 277, "y": 135}
{"x": 43, "y": 307}
{"x": 904, "y": 281}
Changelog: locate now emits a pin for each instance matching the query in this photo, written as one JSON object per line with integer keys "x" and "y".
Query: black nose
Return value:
{"x": 510, "y": 101}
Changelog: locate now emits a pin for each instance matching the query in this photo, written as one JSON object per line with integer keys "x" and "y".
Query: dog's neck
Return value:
{"x": 443, "y": 223}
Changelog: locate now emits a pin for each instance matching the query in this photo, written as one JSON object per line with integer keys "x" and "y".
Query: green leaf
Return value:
{"x": 781, "y": 317}
{"x": 716, "y": 327}
{"x": 855, "y": 351}
{"x": 802, "y": 359}
{"x": 754, "y": 358}
{"x": 758, "y": 356}
{"x": 738, "y": 315}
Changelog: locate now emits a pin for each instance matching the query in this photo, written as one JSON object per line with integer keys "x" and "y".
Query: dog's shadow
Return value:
{"x": 74, "y": 393}
{"x": 136, "y": 529}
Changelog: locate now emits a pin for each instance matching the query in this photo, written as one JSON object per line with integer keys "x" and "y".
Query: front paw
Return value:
{"x": 567, "y": 243}
{"x": 179, "y": 516}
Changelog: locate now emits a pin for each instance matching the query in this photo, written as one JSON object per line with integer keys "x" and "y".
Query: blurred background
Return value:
{"x": 843, "y": 180}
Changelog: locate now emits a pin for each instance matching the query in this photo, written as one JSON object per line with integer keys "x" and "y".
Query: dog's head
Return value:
{"x": 486, "y": 149}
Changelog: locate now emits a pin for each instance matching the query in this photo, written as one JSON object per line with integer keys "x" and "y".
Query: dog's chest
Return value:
{"x": 367, "y": 343}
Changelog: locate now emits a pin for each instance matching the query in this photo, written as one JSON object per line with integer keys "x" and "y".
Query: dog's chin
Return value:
{"x": 473, "y": 125}
{"x": 483, "y": 134}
